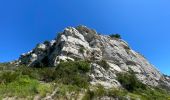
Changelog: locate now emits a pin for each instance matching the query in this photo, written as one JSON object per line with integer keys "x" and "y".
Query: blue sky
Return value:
{"x": 144, "y": 24}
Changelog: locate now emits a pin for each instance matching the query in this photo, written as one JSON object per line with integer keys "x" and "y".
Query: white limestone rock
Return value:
{"x": 84, "y": 43}
{"x": 41, "y": 46}
{"x": 100, "y": 76}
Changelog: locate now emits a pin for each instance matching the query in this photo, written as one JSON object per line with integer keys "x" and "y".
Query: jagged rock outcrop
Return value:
{"x": 84, "y": 43}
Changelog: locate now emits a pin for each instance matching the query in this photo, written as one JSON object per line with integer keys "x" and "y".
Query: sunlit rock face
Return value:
{"x": 86, "y": 44}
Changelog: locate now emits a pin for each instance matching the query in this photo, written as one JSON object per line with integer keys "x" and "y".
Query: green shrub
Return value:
{"x": 83, "y": 66}
{"x": 31, "y": 72}
{"x": 73, "y": 72}
{"x": 89, "y": 95}
{"x": 104, "y": 64}
{"x": 74, "y": 66}
{"x": 64, "y": 89}
{"x": 75, "y": 69}
{"x": 129, "y": 81}
{"x": 8, "y": 76}
{"x": 81, "y": 50}
{"x": 7, "y": 66}
{"x": 67, "y": 92}
{"x": 47, "y": 43}
{"x": 42, "y": 74}
{"x": 115, "y": 36}
{"x": 100, "y": 91}
{"x": 23, "y": 86}
{"x": 117, "y": 92}
{"x": 151, "y": 93}
{"x": 43, "y": 89}
{"x": 47, "y": 74}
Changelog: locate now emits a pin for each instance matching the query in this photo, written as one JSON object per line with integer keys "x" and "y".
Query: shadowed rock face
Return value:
{"x": 84, "y": 43}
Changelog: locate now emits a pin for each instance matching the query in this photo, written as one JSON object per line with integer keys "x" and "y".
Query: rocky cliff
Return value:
{"x": 82, "y": 43}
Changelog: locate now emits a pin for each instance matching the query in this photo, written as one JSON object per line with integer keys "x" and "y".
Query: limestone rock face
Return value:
{"x": 84, "y": 43}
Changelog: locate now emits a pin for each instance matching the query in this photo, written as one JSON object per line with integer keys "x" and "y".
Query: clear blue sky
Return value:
{"x": 144, "y": 24}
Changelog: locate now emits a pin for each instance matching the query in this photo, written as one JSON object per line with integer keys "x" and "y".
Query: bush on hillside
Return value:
{"x": 118, "y": 36}
{"x": 129, "y": 81}
{"x": 47, "y": 43}
{"x": 89, "y": 95}
{"x": 99, "y": 91}
{"x": 73, "y": 72}
{"x": 41, "y": 74}
{"x": 65, "y": 72}
{"x": 104, "y": 64}
{"x": 8, "y": 76}
{"x": 7, "y": 66}
{"x": 81, "y": 49}
{"x": 13, "y": 83}
{"x": 117, "y": 93}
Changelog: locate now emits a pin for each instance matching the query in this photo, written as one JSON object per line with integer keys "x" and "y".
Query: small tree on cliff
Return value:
{"x": 115, "y": 36}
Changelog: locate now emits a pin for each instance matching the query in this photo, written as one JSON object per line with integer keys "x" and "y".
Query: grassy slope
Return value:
{"x": 70, "y": 77}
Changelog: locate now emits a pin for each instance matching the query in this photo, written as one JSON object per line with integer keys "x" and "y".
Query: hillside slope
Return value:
{"x": 82, "y": 43}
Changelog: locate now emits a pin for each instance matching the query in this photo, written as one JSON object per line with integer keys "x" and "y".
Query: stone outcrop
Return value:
{"x": 84, "y": 43}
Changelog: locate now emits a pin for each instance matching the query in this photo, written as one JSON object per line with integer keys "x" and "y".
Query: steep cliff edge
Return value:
{"x": 82, "y": 43}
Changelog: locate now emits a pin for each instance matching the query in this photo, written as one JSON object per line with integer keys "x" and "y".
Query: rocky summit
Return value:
{"x": 82, "y": 43}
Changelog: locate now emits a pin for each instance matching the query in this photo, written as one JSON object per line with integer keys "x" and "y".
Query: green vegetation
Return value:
{"x": 103, "y": 64}
{"x": 47, "y": 43}
{"x": 130, "y": 82}
{"x": 6, "y": 66}
{"x": 70, "y": 79}
{"x": 15, "y": 84}
{"x": 132, "y": 88}
{"x": 117, "y": 93}
{"x": 73, "y": 73}
{"x": 143, "y": 94}
{"x": 151, "y": 93}
{"x": 89, "y": 95}
{"x": 137, "y": 89}
{"x": 81, "y": 50}
{"x": 99, "y": 91}
{"x": 115, "y": 36}
{"x": 64, "y": 90}
{"x": 41, "y": 74}
{"x": 27, "y": 81}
